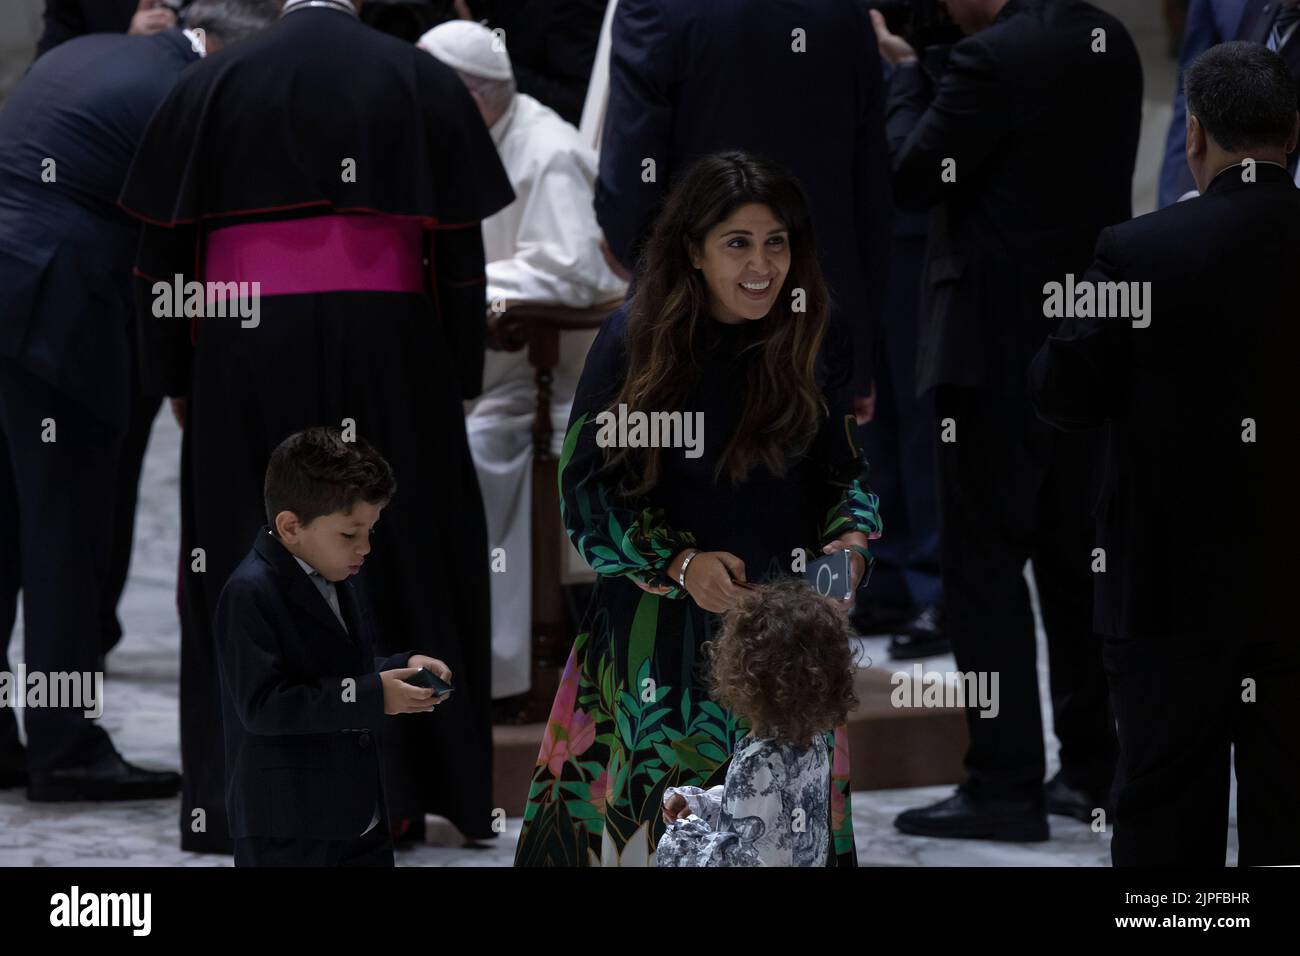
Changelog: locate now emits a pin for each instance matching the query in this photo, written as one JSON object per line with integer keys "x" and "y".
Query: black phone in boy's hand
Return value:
{"x": 427, "y": 678}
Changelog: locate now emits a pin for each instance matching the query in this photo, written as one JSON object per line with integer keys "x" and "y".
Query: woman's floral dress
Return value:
{"x": 632, "y": 716}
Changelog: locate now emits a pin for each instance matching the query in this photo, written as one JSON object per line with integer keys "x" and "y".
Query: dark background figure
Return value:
{"x": 65, "y": 19}
{"x": 1194, "y": 515}
{"x": 1276, "y": 24}
{"x": 308, "y": 120}
{"x": 406, "y": 19}
{"x": 1209, "y": 22}
{"x": 67, "y": 136}
{"x": 552, "y": 45}
{"x": 1007, "y": 105}
{"x": 906, "y": 590}
{"x": 802, "y": 85}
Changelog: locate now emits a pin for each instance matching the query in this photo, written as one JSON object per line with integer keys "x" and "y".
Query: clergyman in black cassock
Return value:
{"x": 317, "y": 148}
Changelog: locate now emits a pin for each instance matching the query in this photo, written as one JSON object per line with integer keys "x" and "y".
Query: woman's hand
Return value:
{"x": 676, "y": 807}
{"x": 715, "y": 579}
{"x": 858, "y": 562}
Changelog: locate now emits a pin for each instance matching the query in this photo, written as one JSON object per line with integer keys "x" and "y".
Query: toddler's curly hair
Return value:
{"x": 783, "y": 659}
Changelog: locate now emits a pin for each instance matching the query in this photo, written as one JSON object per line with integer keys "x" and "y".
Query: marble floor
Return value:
{"x": 141, "y": 714}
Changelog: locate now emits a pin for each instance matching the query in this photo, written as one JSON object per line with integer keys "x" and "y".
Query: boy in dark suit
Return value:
{"x": 302, "y": 696}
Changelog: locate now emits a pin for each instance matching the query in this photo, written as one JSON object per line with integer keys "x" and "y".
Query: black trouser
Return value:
{"x": 373, "y": 849}
{"x": 56, "y": 500}
{"x": 141, "y": 414}
{"x": 1181, "y": 715}
{"x": 1013, "y": 489}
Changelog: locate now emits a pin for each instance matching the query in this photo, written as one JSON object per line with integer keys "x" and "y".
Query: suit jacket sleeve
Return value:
{"x": 396, "y": 662}
{"x": 270, "y": 702}
{"x": 638, "y": 120}
{"x": 959, "y": 116}
{"x": 1080, "y": 377}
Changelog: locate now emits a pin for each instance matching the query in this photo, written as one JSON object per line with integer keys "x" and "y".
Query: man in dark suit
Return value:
{"x": 1021, "y": 138}
{"x": 1196, "y": 518}
{"x": 799, "y": 84}
{"x": 67, "y": 135}
{"x": 65, "y": 19}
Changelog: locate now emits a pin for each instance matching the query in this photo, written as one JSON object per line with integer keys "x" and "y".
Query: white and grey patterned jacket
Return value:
{"x": 772, "y": 811}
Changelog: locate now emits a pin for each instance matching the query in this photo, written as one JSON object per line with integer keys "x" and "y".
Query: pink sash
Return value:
{"x": 354, "y": 253}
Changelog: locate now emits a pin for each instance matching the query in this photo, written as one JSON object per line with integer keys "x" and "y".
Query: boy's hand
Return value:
{"x": 403, "y": 698}
{"x": 676, "y": 808}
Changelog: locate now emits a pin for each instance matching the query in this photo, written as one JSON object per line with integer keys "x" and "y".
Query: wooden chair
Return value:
{"x": 538, "y": 328}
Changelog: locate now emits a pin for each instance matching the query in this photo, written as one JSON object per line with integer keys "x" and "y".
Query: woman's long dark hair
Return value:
{"x": 782, "y": 403}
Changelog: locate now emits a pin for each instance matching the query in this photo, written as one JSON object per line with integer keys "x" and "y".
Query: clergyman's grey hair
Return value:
{"x": 230, "y": 20}
{"x": 1243, "y": 94}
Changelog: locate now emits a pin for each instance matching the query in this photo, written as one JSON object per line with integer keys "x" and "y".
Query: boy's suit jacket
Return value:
{"x": 301, "y": 701}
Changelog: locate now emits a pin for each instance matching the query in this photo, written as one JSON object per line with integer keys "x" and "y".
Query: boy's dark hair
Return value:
{"x": 315, "y": 472}
{"x": 1243, "y": 94}
{"x": 783, "y": 660}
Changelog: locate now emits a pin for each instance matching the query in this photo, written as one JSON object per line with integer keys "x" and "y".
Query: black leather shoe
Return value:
{"x": 1069, "y": 801}
{"x": 870, "y": 619}
{"x": 922, "y": 636}
{"x": 964, "y": 817}
{"x": 110, "y": 778}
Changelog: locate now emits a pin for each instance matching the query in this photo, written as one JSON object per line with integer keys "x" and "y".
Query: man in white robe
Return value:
{"x": 542, "y": 248}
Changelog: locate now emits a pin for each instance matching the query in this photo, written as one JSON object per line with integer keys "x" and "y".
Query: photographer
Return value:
{"x": 1021, "y": 139}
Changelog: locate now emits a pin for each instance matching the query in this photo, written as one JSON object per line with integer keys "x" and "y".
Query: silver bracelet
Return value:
{"x": 681, "y": 575}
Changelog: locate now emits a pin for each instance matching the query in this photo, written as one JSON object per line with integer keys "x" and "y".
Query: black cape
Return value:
{"x": 261, "y": 130}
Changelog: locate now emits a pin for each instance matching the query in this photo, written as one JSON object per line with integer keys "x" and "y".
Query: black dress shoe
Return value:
{"x": 1066, "y": 800}
{"x": 922, "y": 636}
{"x": 109, "y": 778}
{"x": 870, "y": 619}
{"x": 965, "y": 817}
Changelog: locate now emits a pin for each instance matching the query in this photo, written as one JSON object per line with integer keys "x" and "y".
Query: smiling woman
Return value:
{"x": 727, "y": 323}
